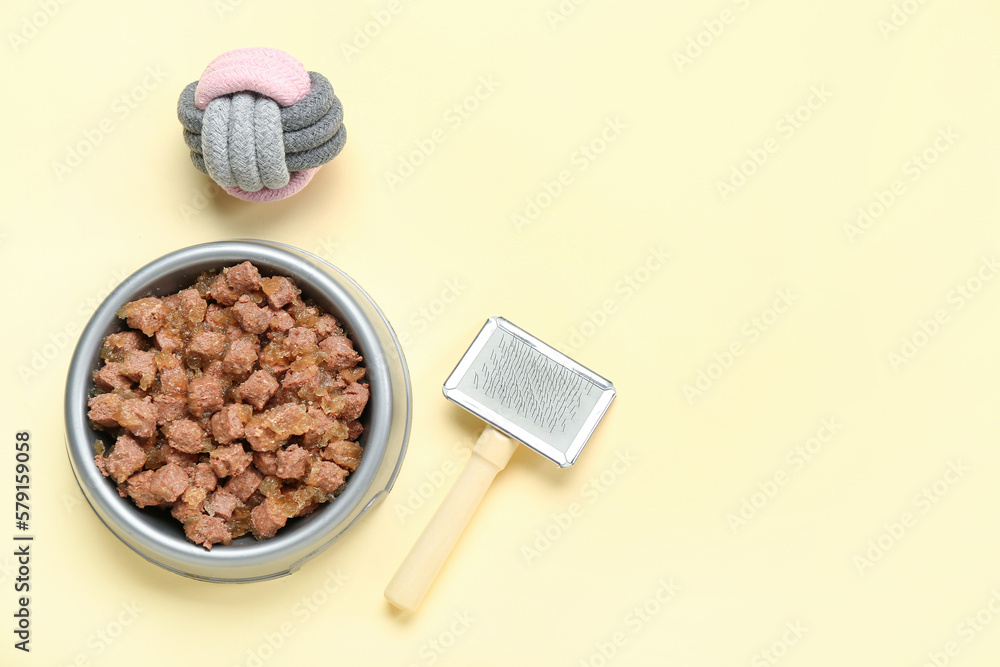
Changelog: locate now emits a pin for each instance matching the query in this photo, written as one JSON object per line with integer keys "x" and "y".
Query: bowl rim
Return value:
{"x": 246, "y": 559}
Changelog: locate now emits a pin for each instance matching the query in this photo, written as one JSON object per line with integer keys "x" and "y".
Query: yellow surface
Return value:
{"x": 636, "y": 261}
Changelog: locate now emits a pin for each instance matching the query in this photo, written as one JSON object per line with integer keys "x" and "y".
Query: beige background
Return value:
{"x": 840, "y": 559}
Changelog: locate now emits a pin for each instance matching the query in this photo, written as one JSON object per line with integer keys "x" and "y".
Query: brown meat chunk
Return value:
{"x": 192, "y": 305}
{"x": 186, "y": 436}
{"x": 208, "y": 530}
{"x": 202, "y": 476}
{"x": 229, "y": 422}
{"x": 279, "y": 290}
{"x": 221, "y": 504}
{"x": 344, "y": 453}
{"x": 173, "y": 455}
{"x": 204, "y": 395}
{"x": 117, "y": 344}
{"x": 110, "y": 377}
{"x": 168, "y": 341}
{"x": 258, "y": 388}
{"x": 355, "y": 400}
{"x": 304, "y": 383}
{"x": 208, "y": 344}
{"x": 241, "y": 357}
{"x": 169, "y": 482}
{"x": 243, "y": 277}
{"x": 138, "y": 489}
{"x": 251, "y": 318}
{"x": 169, "y": 407}
{"x": 300, "y": 340}
{"x": 139, "y": 366}
{"x": 325, "y": 326}
{"x": 126, "y": 458}
{"x": 221, "y": 291}
{"x": 173, "y": 380}
{"x": 281, "y": 320}
{"x": 293, "y": 462}
{"x": 326, "y": 476}
{"x": 103, "y": 408}
{"x": 138, "y": 416}
{"x": 339, "y": 352}
{"x": 266, "y": 520}
{"x": 184, "y": 511}
{"x": 354, "y": 429}
{"x": 244, "y": 484}
{"x": 266, "y": 462}
{"x": 228, "y": 460}
{"x": 144, "y": 314}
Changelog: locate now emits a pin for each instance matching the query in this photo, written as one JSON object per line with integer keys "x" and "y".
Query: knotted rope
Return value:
{"x": 260, "y": 125}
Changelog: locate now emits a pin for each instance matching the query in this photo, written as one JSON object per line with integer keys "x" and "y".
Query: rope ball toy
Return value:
{"x": 259, "y": 124}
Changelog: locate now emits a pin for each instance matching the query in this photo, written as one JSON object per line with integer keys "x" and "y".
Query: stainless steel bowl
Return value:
{"x": 157, "y": 536}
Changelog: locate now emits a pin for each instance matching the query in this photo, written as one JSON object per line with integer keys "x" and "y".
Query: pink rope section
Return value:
{"x": 270, "y": 72}
{"x": 298, "y": 181}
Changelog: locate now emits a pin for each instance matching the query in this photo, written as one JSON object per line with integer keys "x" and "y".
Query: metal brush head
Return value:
{"x": 530, "y": 391}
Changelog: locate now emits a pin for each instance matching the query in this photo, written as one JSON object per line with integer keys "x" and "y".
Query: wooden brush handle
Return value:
{"x": 489, "y": 456}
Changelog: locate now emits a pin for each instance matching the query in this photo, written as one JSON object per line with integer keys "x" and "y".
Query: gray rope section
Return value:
{"x": 199, "y": 162}
{"x": 246, "y": 140}
{"x": 215, "y": 141}
{"x": 319, "y": 155}
{"x": 188, "y": 114}
{"x": 242, "y": 151}
{"x": 318, "y": 133}
{"x": 267, "y": 137}
{"x": 193, "y": 141}
{"x": 307, "y": 111}
{"x": 310, "y": 108}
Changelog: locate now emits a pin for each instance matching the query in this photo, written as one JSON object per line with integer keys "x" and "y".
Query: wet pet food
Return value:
{"x": 233, "y": 404}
